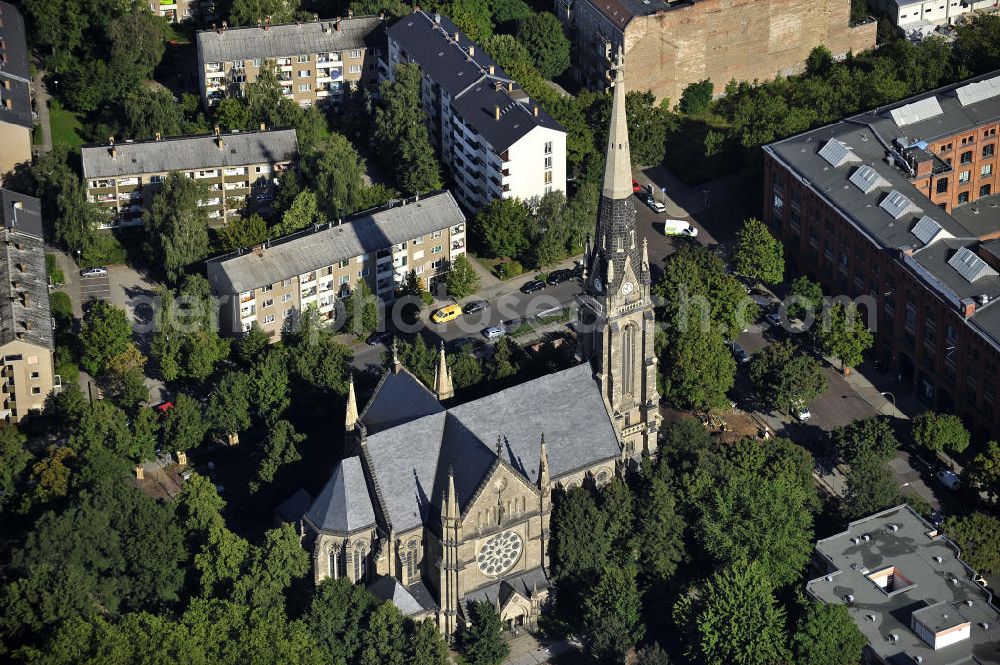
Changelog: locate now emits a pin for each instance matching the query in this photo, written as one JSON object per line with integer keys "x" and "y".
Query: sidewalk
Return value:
{"x": 41, "y": 95}
{"x": 525, "y": 649}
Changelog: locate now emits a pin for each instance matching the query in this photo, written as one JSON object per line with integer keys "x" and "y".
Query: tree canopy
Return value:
{"x": 940, "y": 431}
{"x": 758, "y": 254}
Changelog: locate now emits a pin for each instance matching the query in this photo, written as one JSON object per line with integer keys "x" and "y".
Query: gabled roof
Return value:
{"x": 837, "y": 153}
{"x": 14, "y": 70}
{"x": 406, "y": 600}
{"x": 343, "y": 506}
{"x": 24, "y": 314}
{"x": 398, "y": 398}
{"x": 285, "y": 40}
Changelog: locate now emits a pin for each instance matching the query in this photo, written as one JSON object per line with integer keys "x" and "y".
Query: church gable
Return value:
{"x": 399, "y": 398}
{"x": 503, "y": 493}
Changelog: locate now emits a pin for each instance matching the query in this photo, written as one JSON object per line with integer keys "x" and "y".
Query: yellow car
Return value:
{"x": 446, "y": 314}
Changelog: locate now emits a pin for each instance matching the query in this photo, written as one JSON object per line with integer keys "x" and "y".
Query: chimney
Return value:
{"x": 968, "y": 307}
{"x": 472, "y": 50}
{"x": 225, "y": 25}
{"x": 267, "y": 22}
{"x": 217, "y": 132}
{"x": 381, "y": 16}
{"x": 158, "y": 136}
{"x": 536, "y": 110}
{"x": 437, "y": 19}
{"x": 113, "y": 151}
{"x": 263, "y": 127}
{"x": 336, "y": 25}
{"x": 350, "y": 13}
{"x": 492, "y": 70}
{"x": 510, "y": 86}
{"x": 497, "y": 111}
{"x": 219, "y": 142}
{"x": 315, "y": 17}
{"x": 456, "y": 37}
{"x": 416, "y": 8}
{"x": 27, "y": 303}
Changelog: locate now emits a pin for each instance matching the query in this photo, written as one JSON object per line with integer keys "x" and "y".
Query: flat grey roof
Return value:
{"x": 14, "y": 69}
{"x": 429, "y": 41}
{"x": 24, "y": 309}
{"x": 899, "y": 537}
{"x": 186, "y": 153}
{"x": 286, "y": 39}
{"x": 868, "y": 135}
{"x": 312, "y": 249}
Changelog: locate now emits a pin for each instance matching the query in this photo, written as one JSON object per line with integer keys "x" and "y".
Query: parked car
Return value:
{"x": 636, "y": 187}
{"x": 376, "y": 338}
{"x": 533, "y": 286}
{"x": 655, "y": 205}
{"x": 936, "y": 519}
{"x": 949, "y": 479}
{"x": 558, "y": 277}
{"x": 493, "y": 332}
{"x": 94, "y": 272}
{"x": 739, "y": 352}
{"x": 773, "y": 319}
{"x": 800, "y": 411}
{"x": 446, "y": 314}
{"x": 475, "y": 306}
{"x": 677, "y": 227}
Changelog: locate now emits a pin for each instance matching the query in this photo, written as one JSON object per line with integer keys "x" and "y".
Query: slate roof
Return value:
{"x": 901, "y": 538}
{"x": 429, "y": 41}
{"x": 187, "y": 153}
{"x": 398, "y": 398}
{"x": 411, "y": 460}
{"x": 408, "y": 600}
{"x": 26, "y": 217}
{"x": 286, "y": 39}
{"x": 24, "y": 309}
{"x": 621, "y": 12}
{"x": 525, "y": 584}
{"x": 14, "y": 69}
{"x": 325, "y": 245}
{"x": 343, "y": 505}
{"x": 869, "y": 135}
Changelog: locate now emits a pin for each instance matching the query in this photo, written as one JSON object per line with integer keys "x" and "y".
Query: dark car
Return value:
{"x": 475, "y": 306}
{"x": 377, "y": 338}
{"x": 533, "y": 286}
{"x": 936, "y": 519}
{"x": 558, "y": 277}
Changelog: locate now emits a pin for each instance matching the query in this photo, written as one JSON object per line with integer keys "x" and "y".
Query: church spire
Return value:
{"x": 396, "y": 365}
{"x": 618, "y": 164}
{"x": 543, "y": 466}
{"x": 451, "y": 499}
{"x": 443, "y": 387}
{"x": 351, "y": 418}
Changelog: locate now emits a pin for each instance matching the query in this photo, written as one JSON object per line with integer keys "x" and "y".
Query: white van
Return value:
{"x": 676, "y": 227}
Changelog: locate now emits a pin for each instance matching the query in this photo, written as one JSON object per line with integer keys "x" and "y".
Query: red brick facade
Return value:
{"x": 973, "y": 158}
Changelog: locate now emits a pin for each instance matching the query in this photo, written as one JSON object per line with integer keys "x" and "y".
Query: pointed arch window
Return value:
{"x": 360, "y": 569}
{"x": 628, "y": 359}
{"x": 412, "y": 570}
{"x": 335, "y": 569}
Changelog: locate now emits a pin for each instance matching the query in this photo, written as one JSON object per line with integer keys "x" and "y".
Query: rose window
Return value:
{"x": 499, "y": 553}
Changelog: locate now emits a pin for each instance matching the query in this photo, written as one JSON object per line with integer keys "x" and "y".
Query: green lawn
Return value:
{"x": 66, "y": 126}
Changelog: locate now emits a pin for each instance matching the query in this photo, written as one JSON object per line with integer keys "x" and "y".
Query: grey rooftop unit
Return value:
{"x": 898, "y": 204}
{"x": 837, "y": 153}
{"x": 970, "y": 266}
{"x": 867, "y": 179}
{"x": 978, "y": 91}
{"x": 916, "y": 112}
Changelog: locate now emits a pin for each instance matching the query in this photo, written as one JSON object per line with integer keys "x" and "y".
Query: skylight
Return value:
{"x": 970, "y": 266}
{"x": 916, "y": 112}
{"x": 927, "y": 230}
{"x": 897, "y": 205}
{"x": 978, "y": 91}
{"x": 836, "y": 153}
{"x": 867, "y": 179}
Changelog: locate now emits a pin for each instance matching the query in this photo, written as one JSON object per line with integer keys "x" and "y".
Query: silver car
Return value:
{"x": 493, "y": 332}
{"x": 94, "y": 272}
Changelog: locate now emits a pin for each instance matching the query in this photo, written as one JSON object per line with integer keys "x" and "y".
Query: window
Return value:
{"x": 986, "y": 170}
{"x": 345, "y": 263}
{"x": 437, "y": 249}
{"x": 303, "y": 58}
{"x": 305, "y": 87}
{"x": 548, "y": 177}
{"x": 988, "y": 150}
{"x": 548, "y": 162}
{"x": 256, "y": 62}
{"x": 363, "y": 272}
{"x": 984, "y": 190}
{"x": 436, "y": 234}
{"x": 266, "y": 289}
{"x": 963, "y": 177}
{"x": 966, "y": 157}
{"x": 354, "y": 54}
{"x": 344, "y": 280}
{"x": 304, "y": 73}
{"x": 288, "y": 312}
{"x": 942, "y": 185}
{"x": 285, "y": 297}
{"x": 628, "y": 359}
{"x": 268, "y": 303}
{"x": 548, "y": 147}
{"x": 963, "y": 197}
{"x": 418, "y": 240}
{"x": 354, "y": 69}
{"x": 269, "y": 318}
{"x": 359, "y": 562}
{"x": 36, "y": 390}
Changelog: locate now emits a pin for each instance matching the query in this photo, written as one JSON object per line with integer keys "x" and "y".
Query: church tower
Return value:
{"x": 616, "y": 320}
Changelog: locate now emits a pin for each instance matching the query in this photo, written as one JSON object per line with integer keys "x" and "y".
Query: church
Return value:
{"x": 442, "y": 505}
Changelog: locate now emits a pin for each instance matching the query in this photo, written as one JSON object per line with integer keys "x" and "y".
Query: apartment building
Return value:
{"x": 899, "y": 205}
{"x": 907, "y": 590}
{"x": 240, "y": 171}
{"x": 174, "y": 11}
{"x": 496, "y": 141}
{"x": 670, "y": 44}
{"x": 16, "y": 118}
{"x": 921, "y": 17}
{"x": 271, "y": 283}
{"x": 26, "y": 342}
{"x": 317, "y": 61}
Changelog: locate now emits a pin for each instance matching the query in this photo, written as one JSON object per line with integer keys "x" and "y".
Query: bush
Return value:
{"x": 56, "y": 276}
{"x": 509, "y": 269}
{"x": 696, "y": 97}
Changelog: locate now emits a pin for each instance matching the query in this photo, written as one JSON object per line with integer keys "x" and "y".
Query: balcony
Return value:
{"x": 236, "y": 171}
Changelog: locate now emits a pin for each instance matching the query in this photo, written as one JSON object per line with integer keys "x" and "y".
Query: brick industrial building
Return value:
{"x": 900, "y": 205}
{"x": 669, "y": 45}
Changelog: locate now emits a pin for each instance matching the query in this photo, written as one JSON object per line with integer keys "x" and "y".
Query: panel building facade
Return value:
{"x": 240, "y": 171}
{"x": 16, "y": 118}
{"x": 271, "y": 283}
{"x": 898, "y": 206}
{"x": 316, "y": 61}
{"x": 26, "y": 342}
{"x": 670, "y": 45}
{"x": 494, "y": 139}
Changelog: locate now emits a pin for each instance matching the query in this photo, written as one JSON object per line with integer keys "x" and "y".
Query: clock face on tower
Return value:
{"x": 598, "y": 286}
{"x": 499, "y": 553}
{"x": 627, "y": 288}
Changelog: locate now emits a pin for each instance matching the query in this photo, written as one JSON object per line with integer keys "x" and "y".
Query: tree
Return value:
{"x": 472, "y": 16}
{"x": 504, "y": 363}
{"x": 427, "y": 645}
{"x": 940, "y": 431}
{"x": 783, "y": 375}
{"x": 229, "y": 404}
{"x": 863, "y": 438}
{"x": 146, "y": 113}
{"x": 697, "y": 368}
{"x": 187, "y": 343}
{"x": 280, "y": 448}
{"x": 401, "y": 132}
{"x": 106, "y": 333}
{"x": 137, "y": 45}
{"x": 652, "y": 655}
{"x": 976, "y": 44}
{"x": 253, "y": 12}
{"x": 543, "y": 36}
{"x": 820, "y": 59}
{"x": 481, "y": 643}
{"x": 302, "y": 214}
{"x": 269, "y": 385}
{"x": 243, "y": 232}
{"x": 696, "y": 97}
{"x": 502, "y": 224}
{"x": 185, "y": 426}
{"x": 985, "y": 470}
{"x": 336, "y": 615}
{"x": 337, "y": 171}
{"x": 50, "y": 476}
{"x": 579, "y": 542}
{"x": 827, "y": 635}
{"x": 273, "y": 568}
{"x": 14, "y": 460}
{"x": 383, "y": 637}
{"x": 176, "y": 226}
{"x": 659, "y": 534}
{"x": 509, "y": 11}
{"x": 978, "y": 536}
{"x": 612, "y": 613}
{"x": 758, "y": 254}
{"x": 361, "y": 310}
{"x": 462, "y": 279}
{"x": 870, "y": 487}
{"x": 805, "y": 298}
{"x": 844, "y": 335}
{"x": 199, "y": 507}
{"x": 253, "y": 346}
{"x": 736, "y": 620}
{"x": 466, "y": 370}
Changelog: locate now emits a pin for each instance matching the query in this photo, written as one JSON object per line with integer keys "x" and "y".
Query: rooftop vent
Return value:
{"x": 867, "y": 179}
{"x": 970, "y": 266}
{"x": 928, "y": 230}
{"x": 836, "y": 153}
{"x": 898, "y": 204}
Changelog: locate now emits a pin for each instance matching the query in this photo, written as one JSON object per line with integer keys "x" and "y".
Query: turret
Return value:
{"x": 351, "y": 417}
{"x": 443, "y": 387}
